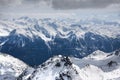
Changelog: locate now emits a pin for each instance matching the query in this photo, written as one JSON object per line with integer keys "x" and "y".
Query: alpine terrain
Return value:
{"x": 35, "y": 40}
{"x": 59, "y": 49}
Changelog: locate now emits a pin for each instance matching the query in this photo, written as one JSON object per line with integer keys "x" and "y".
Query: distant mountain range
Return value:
{"x": 35, "y": 40}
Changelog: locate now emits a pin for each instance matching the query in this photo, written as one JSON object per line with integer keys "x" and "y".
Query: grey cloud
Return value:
{"x": 16, "y": 3}
{"x": 63, "y": 4}
{"x": 5, "y": 3}
{"x": 34, "y": 1}
{"x": 75, "y": 4}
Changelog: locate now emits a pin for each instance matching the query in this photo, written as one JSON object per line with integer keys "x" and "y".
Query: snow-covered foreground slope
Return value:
{"x": 100, "y": 66}
{"x": 97, "y": 66}
{"x": 10, "y": 67}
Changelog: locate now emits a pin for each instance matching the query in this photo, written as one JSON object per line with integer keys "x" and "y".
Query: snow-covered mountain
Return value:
{"x": 96, "y": 66}
{"x": 35, "y": 40}
{"x": 10, "y": 67}
{"x": 56, "y": 68}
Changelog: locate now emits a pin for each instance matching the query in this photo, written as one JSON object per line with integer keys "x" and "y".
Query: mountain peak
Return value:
{"x": 56, "y": 68}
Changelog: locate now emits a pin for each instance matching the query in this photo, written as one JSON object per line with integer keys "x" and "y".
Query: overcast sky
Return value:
{"x": 53, "y": 6}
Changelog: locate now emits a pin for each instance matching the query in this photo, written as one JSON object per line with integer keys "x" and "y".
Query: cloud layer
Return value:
{"x": 38, "y": 5}
{"x": 63, "y": 4}
{"x": 75, "y": 4}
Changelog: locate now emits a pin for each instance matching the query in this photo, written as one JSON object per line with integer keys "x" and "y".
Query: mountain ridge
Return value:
{"x": 48, "y": 37}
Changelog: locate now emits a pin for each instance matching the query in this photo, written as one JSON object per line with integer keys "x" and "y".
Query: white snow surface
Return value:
{"x": 99, "y": 66}
{"x": 10, "y": 67}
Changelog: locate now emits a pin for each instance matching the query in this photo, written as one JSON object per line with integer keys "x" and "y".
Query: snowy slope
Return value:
{"x": 100, "y": 66}
{"x": 106, "y": 67}
{"x": 10, "y": 67}
{"x": 97, "y": 55}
